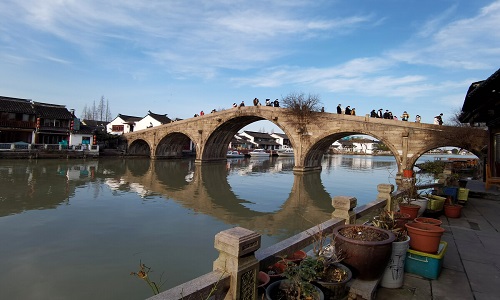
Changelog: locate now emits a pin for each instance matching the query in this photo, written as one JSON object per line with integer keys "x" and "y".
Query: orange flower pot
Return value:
{"x": 453, "y": 210}
{"x": 424, "y": 237}
{"x": 430, "y": 221}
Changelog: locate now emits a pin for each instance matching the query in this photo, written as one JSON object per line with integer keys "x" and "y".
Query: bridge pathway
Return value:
{"x": 471, "y": 266}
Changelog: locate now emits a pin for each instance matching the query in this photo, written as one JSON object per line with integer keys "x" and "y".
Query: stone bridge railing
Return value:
{"x": 234, "y": 274}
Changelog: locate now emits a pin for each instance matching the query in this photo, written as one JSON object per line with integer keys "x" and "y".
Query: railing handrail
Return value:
{"x": 215, "y": 283}
{"x": 271, "y": 254}
{"x": 51, "y": 147}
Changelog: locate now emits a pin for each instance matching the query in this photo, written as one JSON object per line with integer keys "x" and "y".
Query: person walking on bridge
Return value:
{"x": 339, "y": 109}
{"x": 405, "y": 116}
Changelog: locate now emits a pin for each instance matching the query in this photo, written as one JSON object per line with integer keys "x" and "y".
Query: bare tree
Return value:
{"x": 101, "y": 112}
{"x": 86, "y": 113}
{"x": 301, "y": 108}
{"x": 108, "y": 112}
{"x": 101, "y": 109}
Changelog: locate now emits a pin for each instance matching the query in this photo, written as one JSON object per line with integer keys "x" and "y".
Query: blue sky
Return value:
{"x": 180, "y": 57}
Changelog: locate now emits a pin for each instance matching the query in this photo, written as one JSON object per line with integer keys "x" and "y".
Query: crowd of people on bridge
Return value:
{"x": 387, "y": 114}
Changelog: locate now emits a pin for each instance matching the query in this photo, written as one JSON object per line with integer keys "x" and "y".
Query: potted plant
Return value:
{"x": 452, "y": 210}
{"x": 430, "y": 221}
{"x": 298, "y": 284}
{"x": 333, "y": 276}
{"x": 276, "y": 270}
{"x": 424, "y": 237}
{"x": 411, "y": 202}
{"x": 367, "y": 249}
{"x": 394, "y": 272}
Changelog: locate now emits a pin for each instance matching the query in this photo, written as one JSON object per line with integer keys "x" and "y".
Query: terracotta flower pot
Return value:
{"x": 296, "y": 257}
{"x": 276, "y": 271}
{"x": 367, "y": 258}
{"x": 410, "y": 209}
{"x": 424, "y": 237}
{"x": 408, "y": 173}
{"x": 430, "y": 221}
{"x": 263, "y": 279}
{"x": 402, "y": 219}
{"x": 453, "y": 210}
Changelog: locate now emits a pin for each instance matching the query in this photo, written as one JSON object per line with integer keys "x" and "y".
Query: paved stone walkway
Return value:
{"x": 471, "y": 264}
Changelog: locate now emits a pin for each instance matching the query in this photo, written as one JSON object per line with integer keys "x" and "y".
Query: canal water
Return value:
{"x": 72, "y": 229}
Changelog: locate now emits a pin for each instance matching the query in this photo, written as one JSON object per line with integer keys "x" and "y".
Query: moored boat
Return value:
{"x": 259, "y": 153}
{"x": 287, "y": 152}
{"x": 234, "y": 154}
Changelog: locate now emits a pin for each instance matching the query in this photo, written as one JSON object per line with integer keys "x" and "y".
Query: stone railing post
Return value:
{"x": 385, "y": 192}
{"x": 237, "y": 248}
{"x": 344, "y": 206}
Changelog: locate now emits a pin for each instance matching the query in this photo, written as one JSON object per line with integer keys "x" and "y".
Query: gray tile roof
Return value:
{"x": 52, "y": 111}
{"x": 16, "y": 105}
{"x": 160, "y": 118}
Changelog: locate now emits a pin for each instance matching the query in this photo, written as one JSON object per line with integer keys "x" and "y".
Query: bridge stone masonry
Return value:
{"x": 310, "y": 137}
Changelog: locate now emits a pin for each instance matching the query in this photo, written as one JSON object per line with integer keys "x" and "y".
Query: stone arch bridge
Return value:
{"x": 309, "y": 138}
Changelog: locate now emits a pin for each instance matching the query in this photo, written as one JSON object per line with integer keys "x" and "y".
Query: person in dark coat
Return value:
{"x": 339, "y": 109}
{"x": 373, "y": 114}
{"x": 276, "y": 103}
{"x": 379, "y": 113}
{"x": 348, "y": 110}
{"x": 386, "y": 114}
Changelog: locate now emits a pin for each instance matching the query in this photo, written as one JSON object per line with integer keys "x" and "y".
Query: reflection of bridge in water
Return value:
{"x": 209, "y": 192}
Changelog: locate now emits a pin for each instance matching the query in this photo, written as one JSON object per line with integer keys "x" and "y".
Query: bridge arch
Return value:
{"x": 172, "y": 144}
{"x": 139, "y": 147}
{"x": 216, "y": 145}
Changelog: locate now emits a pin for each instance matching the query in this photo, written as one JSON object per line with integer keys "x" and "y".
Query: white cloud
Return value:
{"x": 468, "y": 43}
{"x": 185, "y": 36}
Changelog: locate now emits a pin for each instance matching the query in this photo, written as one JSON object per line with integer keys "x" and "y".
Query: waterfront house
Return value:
{"x": 23, "y": 120}
{"x": 282, "y": 139}
{"x": 97, "y": 126}
{"x": 82, "y": 135}
{"x": 152, "y": 120}
{"x": 54, "y": 123}
{"x": 240, "y": 142}
{"x": 122, "y": 124}
{"x": 363, "y": 145}
{"x": 17, "y": 120}
{"x": 261, "y": 140}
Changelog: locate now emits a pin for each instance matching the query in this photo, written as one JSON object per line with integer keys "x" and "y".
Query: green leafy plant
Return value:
{"x": 300, "y": 277}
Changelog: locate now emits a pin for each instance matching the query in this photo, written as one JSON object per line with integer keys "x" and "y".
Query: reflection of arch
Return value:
{"x": 210, "y": 193}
